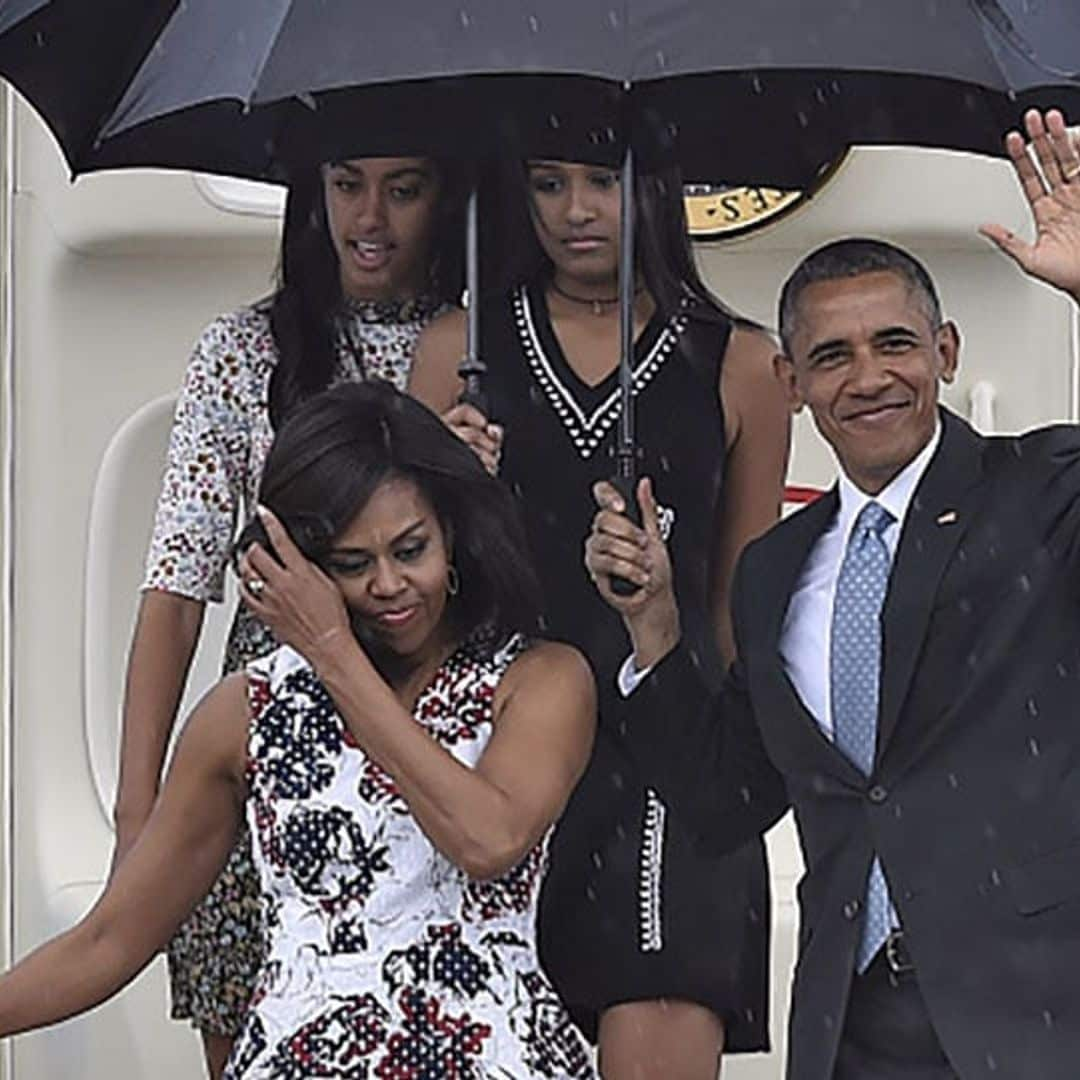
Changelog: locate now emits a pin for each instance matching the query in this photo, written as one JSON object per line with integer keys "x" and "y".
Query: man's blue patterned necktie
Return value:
{"x": 854, "y": 675}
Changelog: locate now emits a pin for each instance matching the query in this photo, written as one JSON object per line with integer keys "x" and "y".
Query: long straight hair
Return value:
{"x": 308, "y": 313}
{"x": 662, "y": 242}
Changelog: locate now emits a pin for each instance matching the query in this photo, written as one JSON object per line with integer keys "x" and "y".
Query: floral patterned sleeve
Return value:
{"x": 206, "y": 474}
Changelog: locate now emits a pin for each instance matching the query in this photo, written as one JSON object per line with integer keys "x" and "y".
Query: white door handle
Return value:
{"x": 981, "y": 401}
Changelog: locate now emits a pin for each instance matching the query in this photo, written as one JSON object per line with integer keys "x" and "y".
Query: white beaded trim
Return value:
{"x": 587, "y": 432}
{"x": 650, "y": 926}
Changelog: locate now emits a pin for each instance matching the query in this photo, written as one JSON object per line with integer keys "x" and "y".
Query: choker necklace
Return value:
{"x": 596, "y": 303}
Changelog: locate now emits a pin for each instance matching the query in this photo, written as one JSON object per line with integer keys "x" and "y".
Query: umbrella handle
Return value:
{"x": 475, "y": 395}
{"x": 472, "y": 369}
{"x": 624, "y": 482}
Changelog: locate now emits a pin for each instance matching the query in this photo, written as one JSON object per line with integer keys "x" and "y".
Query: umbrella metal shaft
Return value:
{"x": 472, "y": 279}
{"x": 625, "y": 454}
{"x": 626, "y": 451}
{"x": 472, "y": 368}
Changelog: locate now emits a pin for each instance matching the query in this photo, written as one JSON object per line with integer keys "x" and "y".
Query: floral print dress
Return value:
{"x": 220, "y": 438}
{"x": 385, "y": 961}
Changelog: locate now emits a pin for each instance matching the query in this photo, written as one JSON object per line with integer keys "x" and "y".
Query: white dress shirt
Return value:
{"x": 805, "y": 637}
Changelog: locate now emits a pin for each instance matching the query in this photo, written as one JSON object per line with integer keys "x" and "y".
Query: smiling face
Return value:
{"x": 391, "y": 564}
{"x": 867, "y": 359}
{"x": 381, "y": 215}
{"x": 575, "y": 211}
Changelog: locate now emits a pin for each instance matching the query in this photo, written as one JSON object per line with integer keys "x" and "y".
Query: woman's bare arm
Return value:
{"x": 207, "y": 465}
{"x": 433, "y": 377}
{"x": 166, "y": 634}
{"x": 758, "y": 429}
{"x": 173, "y": 863}
{"x": 484, "y": 819}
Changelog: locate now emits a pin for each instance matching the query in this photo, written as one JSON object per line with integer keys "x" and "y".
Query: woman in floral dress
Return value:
{"x": 401, "y": 758}
{"x": 369, "y": 255}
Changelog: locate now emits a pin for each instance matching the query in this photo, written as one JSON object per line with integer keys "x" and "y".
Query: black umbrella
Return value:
{"x": 769, "y": 91}
{"x": 761, "y": 92}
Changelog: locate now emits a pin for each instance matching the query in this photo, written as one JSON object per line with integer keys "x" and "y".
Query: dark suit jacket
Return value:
{"x": 974, "y": 802}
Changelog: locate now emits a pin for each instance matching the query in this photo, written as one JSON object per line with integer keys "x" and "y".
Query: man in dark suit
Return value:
{"x": 908, "y": 681}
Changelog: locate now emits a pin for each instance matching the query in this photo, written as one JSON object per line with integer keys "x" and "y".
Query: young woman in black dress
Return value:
{"x": 661, "y": 954}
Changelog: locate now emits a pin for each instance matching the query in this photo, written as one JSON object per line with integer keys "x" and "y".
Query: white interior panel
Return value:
{"x": 121, "y": 520}
{"x": 113, "y": 279}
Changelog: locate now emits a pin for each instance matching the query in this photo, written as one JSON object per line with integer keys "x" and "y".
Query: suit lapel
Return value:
{"x": 938, "y": 516}
{"x": 792, "y": 542}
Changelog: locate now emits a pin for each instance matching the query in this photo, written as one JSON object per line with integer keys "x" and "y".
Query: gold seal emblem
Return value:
{"x": 714, "y": 210}
{"x": 720, "y": 211}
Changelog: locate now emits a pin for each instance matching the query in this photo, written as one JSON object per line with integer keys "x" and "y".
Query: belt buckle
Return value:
{"x": 896, "y": 953}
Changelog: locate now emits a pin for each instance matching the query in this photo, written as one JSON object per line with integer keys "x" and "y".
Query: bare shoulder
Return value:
{"x": 226, "y": 697}
{"x": 444, "y": 336}
{"x": 551, "y": 670}
{"x": 749, "y": 385}
{"x": 217, "y": 730}
{"x": 434, "y": 378}
{"x": 750, "y": 351}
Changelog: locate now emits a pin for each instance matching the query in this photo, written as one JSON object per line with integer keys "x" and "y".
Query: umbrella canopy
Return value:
{"x": 768, "y": 91}
{"x": 85, "y": 93}
{"x": 765, "y": 91}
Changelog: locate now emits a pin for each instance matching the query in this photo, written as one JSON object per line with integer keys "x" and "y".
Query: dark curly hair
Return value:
{"x": 338, "y": 447}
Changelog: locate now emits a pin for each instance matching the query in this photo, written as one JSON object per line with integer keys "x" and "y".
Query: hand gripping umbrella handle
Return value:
{"x": 472, "y": 369}
{"x": 625, "y": 476}
{"x": 474, "y": 393}
{"x": 624, "y": 483}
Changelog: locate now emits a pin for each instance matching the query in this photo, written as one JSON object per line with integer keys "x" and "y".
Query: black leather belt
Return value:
{"x": 896, "y": 953}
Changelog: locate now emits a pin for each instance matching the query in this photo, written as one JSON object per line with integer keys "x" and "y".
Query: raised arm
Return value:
{"x": 487, "y": 819}
{"x": 175, "y": 860}
{"x": 484, "y": 819}
{"x": 1053, "y": 193}
{"x": 703, "y": 751}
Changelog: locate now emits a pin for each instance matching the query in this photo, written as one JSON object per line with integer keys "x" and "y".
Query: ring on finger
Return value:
{"x": 1070, "y": 172}
{"x": 256, "y": 586}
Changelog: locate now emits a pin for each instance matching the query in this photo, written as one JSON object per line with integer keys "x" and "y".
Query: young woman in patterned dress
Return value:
{"x": 660, "y": 952}
{"x": 401, "y": 759}
{"x": 369, "y": 254}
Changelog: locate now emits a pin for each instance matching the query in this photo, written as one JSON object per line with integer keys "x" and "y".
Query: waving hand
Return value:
{"x": 1053, "y": 193}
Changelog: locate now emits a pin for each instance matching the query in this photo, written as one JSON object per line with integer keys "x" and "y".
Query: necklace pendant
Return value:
{"x": 597, "y": 308}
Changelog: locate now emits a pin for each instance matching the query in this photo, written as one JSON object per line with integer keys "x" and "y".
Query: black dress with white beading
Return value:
{"x": 631, "y": 910}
